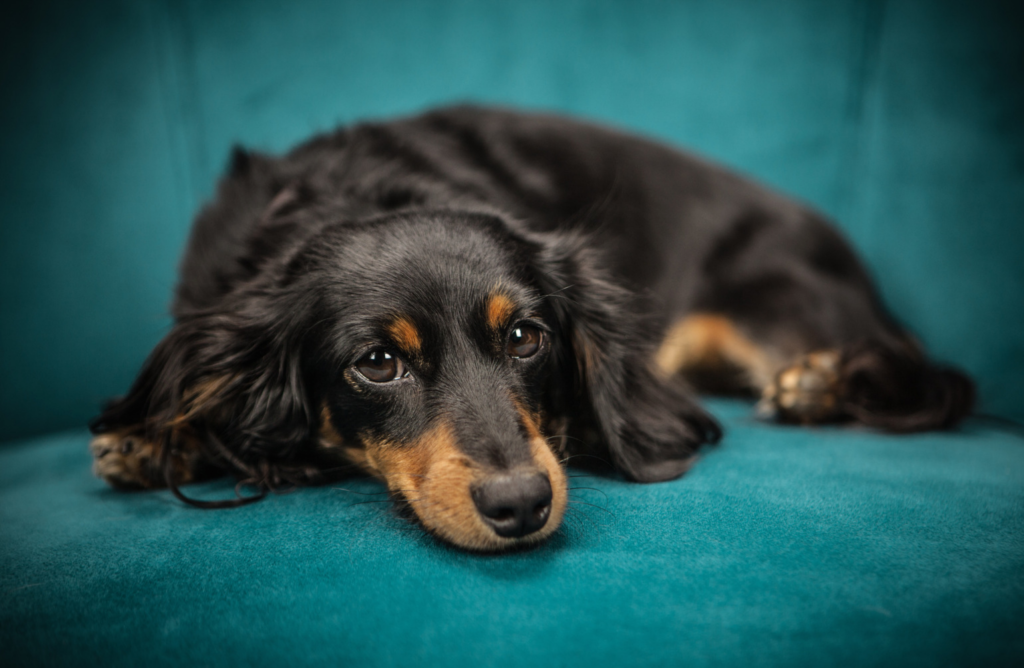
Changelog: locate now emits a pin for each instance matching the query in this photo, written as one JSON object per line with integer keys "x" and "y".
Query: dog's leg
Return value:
{"x": 889, "y": 385}
{"x": 713, "y": 353}
{"x": 884, "y": 382}
{"x": 128, "y": 460}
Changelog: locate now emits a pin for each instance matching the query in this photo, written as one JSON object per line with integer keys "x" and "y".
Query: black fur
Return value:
{"x": 603, "y": 237}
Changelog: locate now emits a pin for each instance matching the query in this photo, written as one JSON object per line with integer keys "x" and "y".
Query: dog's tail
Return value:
{"x": 895, "y": 388}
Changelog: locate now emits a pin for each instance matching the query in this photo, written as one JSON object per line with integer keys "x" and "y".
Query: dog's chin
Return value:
{"x": 478, "y": 539}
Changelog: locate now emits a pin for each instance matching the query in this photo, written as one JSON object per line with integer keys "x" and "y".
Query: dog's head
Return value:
{"x": 433, "y": 364}
{"x": 454, "y": 356}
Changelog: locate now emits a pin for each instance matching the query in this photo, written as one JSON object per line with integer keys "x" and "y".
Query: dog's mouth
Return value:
{"x": 461, "y": 502}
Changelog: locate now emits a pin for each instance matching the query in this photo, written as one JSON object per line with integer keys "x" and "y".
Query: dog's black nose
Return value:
{"x": 514, "y": 504}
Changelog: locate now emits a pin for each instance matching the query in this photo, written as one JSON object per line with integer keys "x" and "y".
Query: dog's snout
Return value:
{"x": 514, "y": 504}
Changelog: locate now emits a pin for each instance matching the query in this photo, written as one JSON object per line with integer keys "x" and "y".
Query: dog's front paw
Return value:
{"x": 126, "y": 461}
{"x": 807, "y": 392}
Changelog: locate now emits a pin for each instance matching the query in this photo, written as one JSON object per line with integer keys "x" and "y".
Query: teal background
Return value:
{"x": 783, "y": 547}
{"x": 900, "y": 119}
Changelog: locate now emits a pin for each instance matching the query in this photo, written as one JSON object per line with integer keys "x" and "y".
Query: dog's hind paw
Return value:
{"x": 808, "y": 392}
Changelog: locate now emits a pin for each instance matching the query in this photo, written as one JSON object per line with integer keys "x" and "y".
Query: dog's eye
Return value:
{"x": 524, "y": 341}
{"x": 381, "y": 366}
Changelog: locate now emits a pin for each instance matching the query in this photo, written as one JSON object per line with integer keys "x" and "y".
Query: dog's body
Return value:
{"x": 457, "y": 302}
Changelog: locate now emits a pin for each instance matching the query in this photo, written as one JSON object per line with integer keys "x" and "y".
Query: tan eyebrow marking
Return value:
{"x": 499, "y": 309}
{"x": 405, "y": 334}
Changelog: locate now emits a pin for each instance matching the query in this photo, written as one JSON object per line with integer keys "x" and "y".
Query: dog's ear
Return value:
{"x": 605, "y": 385}
{"x": 229, "y": 381}
{"x": 228, "y": 377}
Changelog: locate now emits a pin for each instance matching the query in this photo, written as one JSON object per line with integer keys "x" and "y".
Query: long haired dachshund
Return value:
{"x": 460, "y": 301}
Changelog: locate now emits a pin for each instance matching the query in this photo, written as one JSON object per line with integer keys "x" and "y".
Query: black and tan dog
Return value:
{"x": 460, "y": 301}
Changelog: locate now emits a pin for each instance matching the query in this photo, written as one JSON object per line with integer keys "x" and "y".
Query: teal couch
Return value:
{"x": 784, "y": 546}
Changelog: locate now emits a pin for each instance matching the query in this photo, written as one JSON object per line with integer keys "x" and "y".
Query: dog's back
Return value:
{"x": 740, "y": 281}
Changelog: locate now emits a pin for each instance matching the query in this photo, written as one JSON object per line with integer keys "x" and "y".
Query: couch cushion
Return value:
{"x": 784, "y": 546}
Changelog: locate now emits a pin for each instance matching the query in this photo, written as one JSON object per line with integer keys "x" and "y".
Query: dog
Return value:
{"x": 459, "y": 302}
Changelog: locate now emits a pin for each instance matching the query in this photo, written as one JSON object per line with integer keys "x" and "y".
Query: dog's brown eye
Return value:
{"x": 381, "y": 366}
{"x": 524, "y": 341}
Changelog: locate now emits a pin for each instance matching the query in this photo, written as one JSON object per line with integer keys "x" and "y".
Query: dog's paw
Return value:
{"x": 126, "y": 461}
{"x": 807, "y": 392}
{"x": 129, "y": 461}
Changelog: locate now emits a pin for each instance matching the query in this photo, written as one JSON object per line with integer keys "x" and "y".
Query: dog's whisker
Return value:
{"x": 600, "y": 459}
{"x": 341, "y": 467}
{"x": 589, "y": 489}
{"x": 573, "y": 502}
{"x": 561, "y": 437}
{"x": 390, "y": 498}
{"x": 582, "y": 522}
{"x": 352, "y": 491}
{"x": 556, "y": 292}
{"x": 581, "y": 515}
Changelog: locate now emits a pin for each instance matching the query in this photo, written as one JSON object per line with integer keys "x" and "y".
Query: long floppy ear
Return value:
{"x": 227, "y": 384}
{"x": 648, "y": 424}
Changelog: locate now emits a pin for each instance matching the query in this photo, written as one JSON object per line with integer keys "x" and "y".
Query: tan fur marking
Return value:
{"x": 198, "y": 399}
{"x": 530, "y": 421}
{"x": 436, "y": 479}
{"x": 329, "y": 436}
{"x": 125, "y": 460}
{"x": 790, "y": 378}
{"x": 703, "y": 341}
{"x": 405, "y": 335}
{"x": 548, "y": 463}
{"x": 128, "y": 460}
{"x": 358, "y": 457}
{"x": 499, "y": 309}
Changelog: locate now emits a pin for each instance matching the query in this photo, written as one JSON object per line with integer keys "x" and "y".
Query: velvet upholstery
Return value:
{"x": 784, "y": 546}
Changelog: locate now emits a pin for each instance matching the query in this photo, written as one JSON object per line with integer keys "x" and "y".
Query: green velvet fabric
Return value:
{"x": 899, "y": 118}
{"x": 783, "y": 547}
